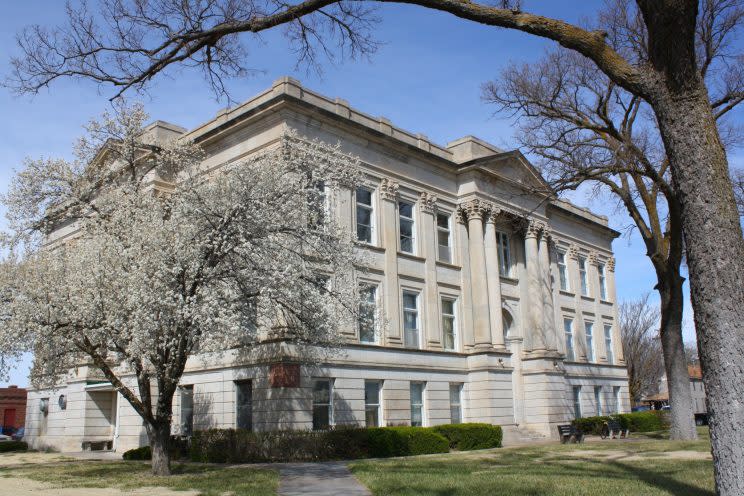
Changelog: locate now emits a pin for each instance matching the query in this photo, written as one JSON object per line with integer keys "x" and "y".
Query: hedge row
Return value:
{"x": 636, "y": 422}
{"x": 6, "y": 446}
{"x": 465, "y": 437}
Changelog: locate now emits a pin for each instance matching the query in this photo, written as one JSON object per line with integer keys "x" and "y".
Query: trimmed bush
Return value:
{"x": 141, "y": 453}
{"x": 649, "y": 421}
{"x": 241, "y": 446}
{"x": 465, "y": 437}
{"x": 7, "y": 446}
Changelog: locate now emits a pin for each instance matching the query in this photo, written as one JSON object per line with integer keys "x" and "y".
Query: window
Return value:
{"x": 417, "y": 404}
{"x": 317, "y": 204}
{"x": 617, "y": 398}
{"x": 187, "y": 410}
{"x": 244, "y": 405}
{"x": 364, "y": 215}
{"x": 367, "y": 311}
{"x": 372, "y": 403}
{"x": 582, "y": 276}
{"x": 444, "y": 248}
{"x": 563, "y": 271}
{"x": 456, "y": 403}
{"x": 598, "y": 399}
{"x": 608, "y": 343}
{"x": 448, "y": 323}
{"x": 577, "y": 401}
{"x": 44, "y": 406}
{"x": 602, "y": 282}
{"x": 589, "y": 330}
{"x": 508, "y": 323}
{"x": 410, "y": 319}
{"x": 407, "y": 238}
{"x": 568, "y": 328}
{"x": 502, "y": 244}
{"x": 322, "y": 404}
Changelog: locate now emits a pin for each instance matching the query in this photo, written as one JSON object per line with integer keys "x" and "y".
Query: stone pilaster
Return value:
{"x": 494, "y": 279}
{"x": 612, "y": 295}
{"x": 389, "y": 240}
{"x": 549, "y": 328}
{"x": 427, "y": 207}
{"x": 536, "y": 337}
{"x": 476, "y": 210}
{"x": 463, "y": 249}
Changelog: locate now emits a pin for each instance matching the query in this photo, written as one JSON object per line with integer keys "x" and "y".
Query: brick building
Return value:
{"x": 12, "y": 409}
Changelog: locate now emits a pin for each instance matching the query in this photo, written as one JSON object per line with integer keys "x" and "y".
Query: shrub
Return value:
{"x": 141, "y": 453}
{"x": 636, "y": 422}
{"x": 7, "y": 446}
{"x": 465, "y": 437}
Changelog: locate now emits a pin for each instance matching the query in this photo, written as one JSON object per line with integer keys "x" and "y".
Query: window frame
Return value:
{"x": 372, "y": 207}
{"x": 187, "y": 426}
{"x": 456, "y": 388}
{"x": 414, "y": 406}
{"x": 589, "y": 337}
{"x": 503, "y": 249}
{"x": 412, "y": 220}
{"x": 328, "y": 404}
{"x": 568, "y": 333}
{"x": 448, "y": 231}
{"x": 602, "y": 281}
{"x": 374, "y": 289}
{"x": 376, "y": 406}
{"x": 578, "y": 409}
{"x": 583, "y": 275}
{"x": 238, "y": 408}
{"x": 563, "y": 278}
{"x": 417, "y": 313}
{"x": 447, "y": 316}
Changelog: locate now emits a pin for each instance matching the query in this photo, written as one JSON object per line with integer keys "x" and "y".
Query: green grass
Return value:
{"x": 640, "y": 466}
{"x": 209, "y": 480}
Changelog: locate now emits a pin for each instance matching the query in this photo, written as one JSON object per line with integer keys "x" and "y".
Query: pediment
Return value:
{"x": 513, "y": 167}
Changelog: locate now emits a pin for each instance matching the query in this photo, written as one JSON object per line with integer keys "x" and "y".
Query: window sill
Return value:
{"x": 448, "y": 265}
{"x": 509, "y": 280}
{"x": 411, "y": 256}
{"x": 567, "y": 293}
{"x": 587, "y": 298}
{"x": 369, "y": 246}
{"x": 605, "y": 302}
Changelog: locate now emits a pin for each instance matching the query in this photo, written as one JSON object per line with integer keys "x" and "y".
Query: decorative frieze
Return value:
{"x": 389, "y": 189}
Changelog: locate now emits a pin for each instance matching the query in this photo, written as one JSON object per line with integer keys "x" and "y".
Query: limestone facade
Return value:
{"x": 498, "y": 301}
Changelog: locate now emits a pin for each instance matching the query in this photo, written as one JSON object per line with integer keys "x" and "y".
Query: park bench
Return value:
{"x": 570, "y": 433}
{"x": 613, "y": 429}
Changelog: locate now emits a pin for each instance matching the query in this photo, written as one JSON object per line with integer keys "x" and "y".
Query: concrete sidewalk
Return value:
{"x": 319, "y": 479}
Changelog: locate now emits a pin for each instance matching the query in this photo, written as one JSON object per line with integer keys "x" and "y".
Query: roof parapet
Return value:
{"x": 469, "y": 148}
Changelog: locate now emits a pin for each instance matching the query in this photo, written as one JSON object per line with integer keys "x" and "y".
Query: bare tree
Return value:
{"x": 128, "y": 42}
{"x": 586, "y": 130}
{"x": 691, "y": 352}
{"x": 639, "y": 324}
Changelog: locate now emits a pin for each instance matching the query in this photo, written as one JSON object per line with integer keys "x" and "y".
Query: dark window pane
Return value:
{"x": 443, "y": 221}
{"x": 406, "y": 245}
{"x": 364, "y": 196}
{"x": 321, "y": 417}
{"x": 244, "y": 402}
{"x": 372, "y": 392}
{"x": 406, "y": 229}
{"x": 372, "y": 416}
{"x": 364, "y": 233}
{"x": 406, "y": 209}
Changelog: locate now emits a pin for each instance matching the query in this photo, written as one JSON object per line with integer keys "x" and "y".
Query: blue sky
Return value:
{"x": 426, "y": 78}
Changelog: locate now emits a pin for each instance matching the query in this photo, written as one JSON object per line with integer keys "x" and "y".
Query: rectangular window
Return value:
{"x": 608, "y": 344}
{"x": 617, "y": 399}
{"x": 244, "y": 405}
{"x": 410, "y": 319}
{"x": 602, "y": 281}
{"x": 598, "y": 399}
{"x": 322, "y": 404}
{"x": 407, "y": 227}
{"x": 367, "y": 312}
{"x": 456, "y": 403}
{"x": 372, "y": 403}
{"x": 583, "y": 276}
{"x": 449, "y": 330}
{"x": 502, "y": 243}
{"x": 568, "y": 329}
{"x": 577, "y": 401}
{"x": 444, "y": 246}
{"x": 563, "y": 271}
{"x": 417, "y": 404}
{"x": 187, "y": 409}
{"x": 364, "y": 215}
{"x": 589, "y": 330}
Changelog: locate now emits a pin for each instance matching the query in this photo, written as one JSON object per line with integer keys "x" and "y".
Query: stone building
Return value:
{"x": 499, "y": 299}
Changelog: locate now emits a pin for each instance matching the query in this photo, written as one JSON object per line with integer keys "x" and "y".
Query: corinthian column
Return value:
{"x": 494, "y": 282}
{"x": 536, "y": 333}
{"x": 427, "y": 207}
{"x": 476, "y": 210}
{"x": 388, "y": 198}
{"x": 551, "y": 339}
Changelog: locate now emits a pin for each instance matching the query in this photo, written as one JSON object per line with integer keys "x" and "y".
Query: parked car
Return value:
{"x": 642, "y": 408}
{"x": 18, "y": 435}
{"x": 4, "y": 438}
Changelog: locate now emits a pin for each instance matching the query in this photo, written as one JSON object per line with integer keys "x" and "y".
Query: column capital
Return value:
{"x": 389, "y": 189}
{"x": 494, "y": 214}
{"x": 593, "y": 260}
{"x": 610, "y": 265}
{"x": 533, "y": 228}
{"x": 475, "y": 208}
{"x": 573, "y": 252}
{"x": 428, "y": 202}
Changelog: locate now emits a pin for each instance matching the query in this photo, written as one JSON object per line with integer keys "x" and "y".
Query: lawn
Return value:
{"x": 207, "y": 480}
{"x": 642, "y": 465}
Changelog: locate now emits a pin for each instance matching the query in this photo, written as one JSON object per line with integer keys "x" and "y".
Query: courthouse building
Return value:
{"x": 498, "y": 299}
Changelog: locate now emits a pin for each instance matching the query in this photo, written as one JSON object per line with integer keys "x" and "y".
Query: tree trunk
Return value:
{"x": 675, "y": 363}
{"x": 159, "y": 436}
{"x": 715, "y": 254}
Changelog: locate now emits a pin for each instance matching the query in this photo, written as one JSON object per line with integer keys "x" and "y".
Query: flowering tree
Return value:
{"x": 161, "y": 260}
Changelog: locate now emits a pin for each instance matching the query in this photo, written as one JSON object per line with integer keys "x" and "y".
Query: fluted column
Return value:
{"x": 427, "y": 207}
{"x": 462, "y": 248}
{"x": 476, "y": 210}
{"x": 388, "y": 217}
{"x": 494, "y": 281}
{"x": 532, "y": 259}
{"x": 612, "y": 295}
{"x": 551, "y": 339}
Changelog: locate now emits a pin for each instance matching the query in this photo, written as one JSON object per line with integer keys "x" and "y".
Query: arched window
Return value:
{"x": 508, "y": 323}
